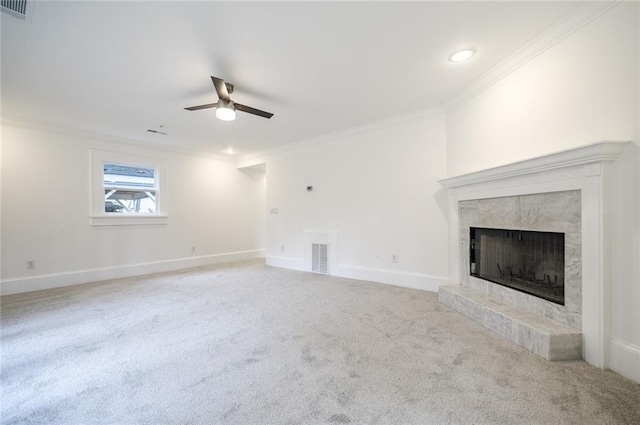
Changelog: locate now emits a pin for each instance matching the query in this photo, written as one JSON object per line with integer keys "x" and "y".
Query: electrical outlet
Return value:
{"x": 31, "y": 264}
{"x": 274, "y": 211}
{"x": 394, "y": 259}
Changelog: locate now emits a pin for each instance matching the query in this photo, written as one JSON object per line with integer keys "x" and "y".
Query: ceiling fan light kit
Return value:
{"x": 226, "y": 110}
{"x": 225, "y": 107}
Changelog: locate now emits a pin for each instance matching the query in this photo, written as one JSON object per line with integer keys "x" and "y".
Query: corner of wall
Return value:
{"x": 624, "y": 358}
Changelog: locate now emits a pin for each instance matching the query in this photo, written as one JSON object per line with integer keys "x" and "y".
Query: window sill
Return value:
{"x": 128, "y": 220}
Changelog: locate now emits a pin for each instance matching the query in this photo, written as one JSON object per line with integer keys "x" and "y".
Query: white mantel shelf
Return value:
{"x": 597, "y": 152}
{"x": 587, "y": 169}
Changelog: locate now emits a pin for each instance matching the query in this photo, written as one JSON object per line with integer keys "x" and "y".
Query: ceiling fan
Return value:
{"x": 225, "y": 107}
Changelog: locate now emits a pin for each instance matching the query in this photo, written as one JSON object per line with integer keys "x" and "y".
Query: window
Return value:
{"x": 127, "y": 189}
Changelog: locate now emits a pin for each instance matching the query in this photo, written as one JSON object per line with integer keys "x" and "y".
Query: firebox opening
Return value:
{"x": 527, "y": 261}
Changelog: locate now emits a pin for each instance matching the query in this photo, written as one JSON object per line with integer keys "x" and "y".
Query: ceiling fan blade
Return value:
{"x": 253, "y": 111}
{"x": 221, "y": 88}
{"x": 196, "y": 108}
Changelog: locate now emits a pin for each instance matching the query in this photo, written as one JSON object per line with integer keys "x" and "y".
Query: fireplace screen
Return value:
{"x": 531, "y": 262}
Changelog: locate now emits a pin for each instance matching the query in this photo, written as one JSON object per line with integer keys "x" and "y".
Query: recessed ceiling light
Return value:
{"x": 462, "y": 55}
{"x": 230, "y": 151}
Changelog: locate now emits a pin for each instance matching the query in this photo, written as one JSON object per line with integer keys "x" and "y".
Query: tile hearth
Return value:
{"x": 542, "y": 336}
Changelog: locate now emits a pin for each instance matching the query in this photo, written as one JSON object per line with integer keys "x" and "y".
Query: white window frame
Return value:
{"x": 99, "y": 217}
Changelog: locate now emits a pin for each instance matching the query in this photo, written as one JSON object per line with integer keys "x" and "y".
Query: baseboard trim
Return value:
{"x": 285, "y": 262}
{"x": 390, "y": 277}
{"x": 624, "y": 359}
{"x": 57, "y": 280}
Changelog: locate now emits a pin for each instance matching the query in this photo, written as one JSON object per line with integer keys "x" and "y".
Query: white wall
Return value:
{"x": 45, "y": 214}
{"x": 582, "y": 90}
{"x": 376, "y": 187}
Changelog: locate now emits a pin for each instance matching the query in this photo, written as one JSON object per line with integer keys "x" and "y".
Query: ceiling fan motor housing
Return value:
{"x": 225, "y": 107}
{"x": 222, "y": 103}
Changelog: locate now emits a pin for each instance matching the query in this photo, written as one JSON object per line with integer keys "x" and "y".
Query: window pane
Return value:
{"x": 129, "y": 201}
{"x": 123, "y": 176}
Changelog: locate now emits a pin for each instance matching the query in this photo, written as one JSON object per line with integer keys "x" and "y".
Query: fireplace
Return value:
{"x": 567, "y": 192}
{"x": 527, "y": 261}
{"x": 512, "y": 231}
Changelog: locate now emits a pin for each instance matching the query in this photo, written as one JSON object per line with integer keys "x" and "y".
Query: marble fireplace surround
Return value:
{"x": 547, "y": 212}
{"x": 575, "y": 181}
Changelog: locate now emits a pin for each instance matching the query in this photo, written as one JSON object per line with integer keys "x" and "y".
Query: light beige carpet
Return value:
{"x": 245, "y": 344}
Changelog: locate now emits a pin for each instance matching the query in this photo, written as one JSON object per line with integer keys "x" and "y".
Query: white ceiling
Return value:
{"x": 120, "y": 68}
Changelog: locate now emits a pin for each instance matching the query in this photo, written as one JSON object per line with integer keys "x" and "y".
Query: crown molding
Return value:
{"x": 586, "y": 12}
{"x": 242, "y": 161}
{"x": 11, "y": 121}
{"x": 358, "y": 130}
{"x": 597, "y": 152}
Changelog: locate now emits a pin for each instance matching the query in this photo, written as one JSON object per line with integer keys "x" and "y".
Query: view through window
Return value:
{"x": 129, "y": 189}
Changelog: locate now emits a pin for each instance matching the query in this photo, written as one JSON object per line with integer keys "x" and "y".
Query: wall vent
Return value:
{"x": 319, "y": 258}
{"x": 17, "y": 8}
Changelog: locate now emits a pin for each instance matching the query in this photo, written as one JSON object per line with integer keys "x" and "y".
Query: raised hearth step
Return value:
{"x": 542, "y": 336}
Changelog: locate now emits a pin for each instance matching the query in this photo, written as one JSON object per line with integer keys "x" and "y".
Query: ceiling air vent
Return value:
{"x": 319, "y": 263}
{"x": 17, "y": 8}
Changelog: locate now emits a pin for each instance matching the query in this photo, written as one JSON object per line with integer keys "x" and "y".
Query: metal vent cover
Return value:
{"x": 319, "y": 258}
{"x": 17, "y": 8}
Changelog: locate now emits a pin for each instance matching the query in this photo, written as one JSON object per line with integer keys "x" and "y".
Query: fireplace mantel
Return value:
{"x": 587, "y": 169}
{"x": 590, "y": 154}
